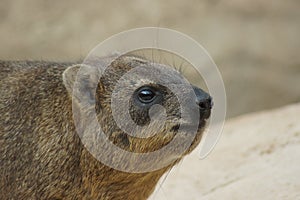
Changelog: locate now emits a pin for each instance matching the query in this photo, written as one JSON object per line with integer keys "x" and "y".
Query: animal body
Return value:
{"x": 41, "y": 154}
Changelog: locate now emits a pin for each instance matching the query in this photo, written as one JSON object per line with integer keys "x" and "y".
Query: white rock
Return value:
{"x": 257, "y": 157}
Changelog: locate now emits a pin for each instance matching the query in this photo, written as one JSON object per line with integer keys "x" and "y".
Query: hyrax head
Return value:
{"x": 141, "y": 106}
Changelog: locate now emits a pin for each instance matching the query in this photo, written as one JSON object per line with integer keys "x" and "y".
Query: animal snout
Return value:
{"x": 204, "y": 101}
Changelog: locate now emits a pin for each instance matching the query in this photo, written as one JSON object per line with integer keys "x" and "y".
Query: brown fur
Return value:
{"x": 42, "y": 157}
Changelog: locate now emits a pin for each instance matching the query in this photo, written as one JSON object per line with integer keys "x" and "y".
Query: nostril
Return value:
{"x": 205, "y": 104}
{"x": 202, "y": 105}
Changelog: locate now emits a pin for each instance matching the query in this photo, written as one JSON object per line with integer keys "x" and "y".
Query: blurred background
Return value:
{"x": 254, "y": 43}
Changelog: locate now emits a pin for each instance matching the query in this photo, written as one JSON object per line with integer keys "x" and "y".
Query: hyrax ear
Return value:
{"x": 81, "y": 82}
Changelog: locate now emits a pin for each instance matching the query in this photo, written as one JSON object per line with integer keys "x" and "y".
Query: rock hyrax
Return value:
{"x": 41, "y": 154}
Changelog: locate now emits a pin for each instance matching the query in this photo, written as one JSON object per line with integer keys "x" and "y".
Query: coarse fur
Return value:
{"x": 42, "y": 156}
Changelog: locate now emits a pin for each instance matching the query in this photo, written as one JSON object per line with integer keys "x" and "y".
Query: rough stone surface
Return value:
{"x": 257, "y": 157}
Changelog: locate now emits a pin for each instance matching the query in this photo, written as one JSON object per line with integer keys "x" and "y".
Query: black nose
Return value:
{"x": 204, "y": 101}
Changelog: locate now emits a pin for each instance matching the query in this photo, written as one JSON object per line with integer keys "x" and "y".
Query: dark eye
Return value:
{"x": 146, "y": 95}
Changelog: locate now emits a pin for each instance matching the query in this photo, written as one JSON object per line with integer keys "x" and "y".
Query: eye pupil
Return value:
{"x": 146, "y": 95}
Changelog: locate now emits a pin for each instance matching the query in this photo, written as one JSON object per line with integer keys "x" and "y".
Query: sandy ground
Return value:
{"x": 258, "y": 157}
{"x": 255, "y": 43}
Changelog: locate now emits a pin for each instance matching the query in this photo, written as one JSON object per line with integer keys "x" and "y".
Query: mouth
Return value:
{"x": 204, "y": 114}
{"x": 189, "y": 127}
